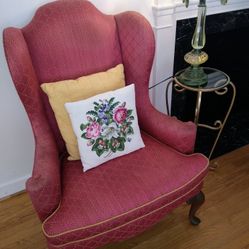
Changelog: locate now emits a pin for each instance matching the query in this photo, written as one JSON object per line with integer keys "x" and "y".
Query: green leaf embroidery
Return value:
{"x": 130, "y": 130}
{"x": 117, "y": 144}
{"x": 129, "y": 112}
{"x": 84, "y": 136}
{"x": 93, "y": 113}
{"x": 112, "y": 145}
{"x": 121, "y": 144}
{"x": 83, "y": 127}
{"x": 100, "y": 146}
{"x": 114, "y": 105}
{"x": 111, "y": 101}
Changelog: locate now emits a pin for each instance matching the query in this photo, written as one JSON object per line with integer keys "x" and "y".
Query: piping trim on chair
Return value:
{"x": 117, "y": 216}
{"x": 138, "y": 218}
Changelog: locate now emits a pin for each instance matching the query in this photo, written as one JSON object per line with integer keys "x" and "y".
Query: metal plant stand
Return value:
{"x": 219, "y": 83}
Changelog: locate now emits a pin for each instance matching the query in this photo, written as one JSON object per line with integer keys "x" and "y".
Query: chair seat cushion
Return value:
{"x": 112, "y": 202}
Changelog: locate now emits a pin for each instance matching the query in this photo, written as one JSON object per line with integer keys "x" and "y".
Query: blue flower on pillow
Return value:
{"x": 108, "y": 127}
{"x": 102, "y": 111}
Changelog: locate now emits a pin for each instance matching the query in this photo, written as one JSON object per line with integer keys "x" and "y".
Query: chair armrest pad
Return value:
{"x": 169, "y": 130}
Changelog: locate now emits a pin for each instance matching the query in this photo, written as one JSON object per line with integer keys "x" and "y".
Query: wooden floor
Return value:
{"x": 225, "y": 216}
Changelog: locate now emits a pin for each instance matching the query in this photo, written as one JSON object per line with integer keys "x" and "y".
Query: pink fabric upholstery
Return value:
{"x": 44, "y": 186}
{"x": 93, "y": 203}
{"x": 67, "y": 39}
{"x": 78, "y": 40}
{"x": 137, "y": 43}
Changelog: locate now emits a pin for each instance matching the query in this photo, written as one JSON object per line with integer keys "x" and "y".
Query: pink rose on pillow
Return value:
{"x": 120, "y": 114}
{"x": 93, "y": 130}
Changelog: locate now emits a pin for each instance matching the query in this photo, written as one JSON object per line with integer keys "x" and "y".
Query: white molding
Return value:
{"x": 179, "y": 6}
{"x": 166, "y": 14}
{"x": 12, "y": 187}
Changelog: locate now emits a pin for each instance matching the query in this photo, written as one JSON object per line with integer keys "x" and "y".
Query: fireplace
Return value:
{"x": 228, "y": 49}
{"x": 227, "y": 46}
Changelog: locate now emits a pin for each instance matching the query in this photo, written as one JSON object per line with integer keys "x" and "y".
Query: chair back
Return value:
{"x": 67, "y": 39}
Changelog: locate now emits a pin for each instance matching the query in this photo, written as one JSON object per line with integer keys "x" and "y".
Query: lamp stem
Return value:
{"x": 199, "y": 37}
{"x": 195, "y": 75}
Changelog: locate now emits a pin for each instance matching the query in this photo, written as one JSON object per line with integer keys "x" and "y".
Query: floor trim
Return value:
{"x": 13, "y": 187}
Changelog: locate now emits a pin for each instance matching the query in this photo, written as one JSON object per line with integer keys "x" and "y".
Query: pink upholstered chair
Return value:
{"x": 125, "y": 196}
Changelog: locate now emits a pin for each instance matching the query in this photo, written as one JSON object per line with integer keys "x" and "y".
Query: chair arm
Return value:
{"x": 44, "y": 187}
{"x": 169, "y": 130}
{"x": 138, "y": 46}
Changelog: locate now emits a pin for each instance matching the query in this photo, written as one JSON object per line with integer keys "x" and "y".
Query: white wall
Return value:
{"x": 16, "y": 138}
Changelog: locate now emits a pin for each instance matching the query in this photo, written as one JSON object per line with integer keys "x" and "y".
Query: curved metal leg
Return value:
{"x": 225, "y": 119}
{"x": 198, "y": 107}
{"x": 167, "y": 95}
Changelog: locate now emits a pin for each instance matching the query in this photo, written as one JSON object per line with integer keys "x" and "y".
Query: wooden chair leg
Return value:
{"x": 195, "y": 202}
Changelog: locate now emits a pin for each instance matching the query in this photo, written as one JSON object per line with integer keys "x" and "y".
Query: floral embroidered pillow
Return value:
{"x": 106, "y": 126}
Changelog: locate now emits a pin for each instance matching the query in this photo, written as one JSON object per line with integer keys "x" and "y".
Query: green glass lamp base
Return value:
{"x": 193, "y": 76}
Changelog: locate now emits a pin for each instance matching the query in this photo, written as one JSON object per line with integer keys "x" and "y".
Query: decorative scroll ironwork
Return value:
{"x": 225, "y": 119}
{"x": 222, "y": 91}
{"x": 179, "y": 88}
{"x": 217, "y": 125}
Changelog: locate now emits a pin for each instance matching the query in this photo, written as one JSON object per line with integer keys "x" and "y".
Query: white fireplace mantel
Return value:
{"x": 166, "y": 13}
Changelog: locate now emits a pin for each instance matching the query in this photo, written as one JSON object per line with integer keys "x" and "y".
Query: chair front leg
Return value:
{"x": 196, "y": 203}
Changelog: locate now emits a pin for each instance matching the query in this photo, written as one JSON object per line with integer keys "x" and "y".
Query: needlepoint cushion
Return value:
{"x": 106, "y": 126}
{"x": 84, "y": 87}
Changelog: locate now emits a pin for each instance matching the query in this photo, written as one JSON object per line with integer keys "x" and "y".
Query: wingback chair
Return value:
{"x": 65, "y": 40}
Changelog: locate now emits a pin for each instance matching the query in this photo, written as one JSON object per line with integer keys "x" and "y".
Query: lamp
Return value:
{"x": 194, "y": 75}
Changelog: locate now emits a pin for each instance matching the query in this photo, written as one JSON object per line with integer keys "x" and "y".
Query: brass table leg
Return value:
{"x": 198, "y": 107}
{"x": 218, "y": 124}
{"x": 167, "y": 96}
{"x": 225, "y": 119}
{"x": 177, "y": 88}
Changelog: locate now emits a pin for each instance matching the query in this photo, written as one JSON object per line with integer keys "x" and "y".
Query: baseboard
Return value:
{"x": 12, "y": 187}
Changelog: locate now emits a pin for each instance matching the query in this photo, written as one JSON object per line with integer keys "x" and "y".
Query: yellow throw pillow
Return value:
{"x": 84, "y": 87}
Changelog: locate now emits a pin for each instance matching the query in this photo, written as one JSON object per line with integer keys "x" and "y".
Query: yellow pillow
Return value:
{"x": 84, "y": 87}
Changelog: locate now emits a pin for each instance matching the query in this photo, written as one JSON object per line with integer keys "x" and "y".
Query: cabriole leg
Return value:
{"x": 195, "y": 202}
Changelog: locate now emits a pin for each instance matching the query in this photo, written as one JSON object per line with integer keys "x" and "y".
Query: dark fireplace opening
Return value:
{"x": 227, "y": 45}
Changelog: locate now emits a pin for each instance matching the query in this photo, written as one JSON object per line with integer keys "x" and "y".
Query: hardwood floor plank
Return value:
{"x": 19, "y": 226}
{"x": 225, "y": 216}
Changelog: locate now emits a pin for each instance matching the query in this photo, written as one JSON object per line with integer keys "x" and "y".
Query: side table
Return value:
{"x": 219, "y": 83}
